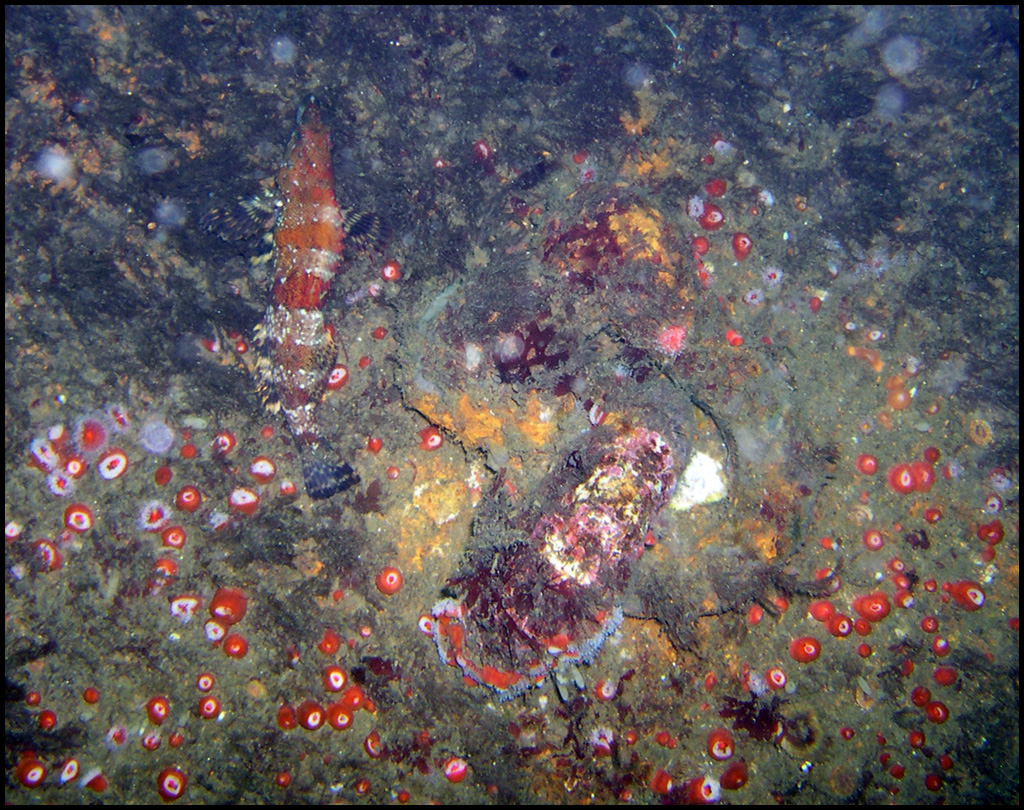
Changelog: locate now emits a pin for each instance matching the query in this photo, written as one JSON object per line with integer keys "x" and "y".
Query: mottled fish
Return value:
{"x": 295, "y": 348}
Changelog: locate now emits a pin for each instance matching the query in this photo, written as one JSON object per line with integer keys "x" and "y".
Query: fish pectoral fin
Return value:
{"x": 363, "y": 230}
{"x": 246, "y": 218}
{"x": 324, "y": 479}
{"x": 233, "y": 351}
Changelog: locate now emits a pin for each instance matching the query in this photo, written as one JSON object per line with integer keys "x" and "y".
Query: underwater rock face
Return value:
{"x": 553, "y": 598}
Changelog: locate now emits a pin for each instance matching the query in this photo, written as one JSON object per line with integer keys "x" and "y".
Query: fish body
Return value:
{"x": 295, "y": 348}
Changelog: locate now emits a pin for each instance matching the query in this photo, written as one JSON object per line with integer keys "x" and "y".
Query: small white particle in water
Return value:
{"x": 889, "y": 103}
{"x": 637, "y": 76}
{"x": 54, "y": 164}
{"x": 901, "y": 56}
{"x": 283, "y": 50}
{"x": 154, "y": 160}
{"x": 170, "y": 214}
{"x": 156, "y": 437}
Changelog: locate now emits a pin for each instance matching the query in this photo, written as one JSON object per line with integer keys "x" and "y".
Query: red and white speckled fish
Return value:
{"x": 295, "y": 347}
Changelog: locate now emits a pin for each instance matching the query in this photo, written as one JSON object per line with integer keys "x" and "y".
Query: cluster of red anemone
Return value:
{"x": 227, "y": 608}
{"x": 917, "y": 476}
{"x": 311, "y": 715}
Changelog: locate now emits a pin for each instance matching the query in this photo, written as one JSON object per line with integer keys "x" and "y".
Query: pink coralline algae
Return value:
{"x": 551, "y": 599}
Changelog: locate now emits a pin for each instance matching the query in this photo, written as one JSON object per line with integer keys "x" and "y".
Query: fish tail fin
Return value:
{"x": 324, "y": 479}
